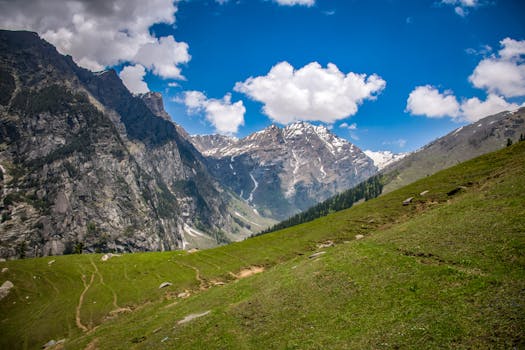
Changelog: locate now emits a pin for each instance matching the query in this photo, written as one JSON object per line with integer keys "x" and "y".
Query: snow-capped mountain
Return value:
{"x": 384, "y": 158}
{"x": 281, "y": 171}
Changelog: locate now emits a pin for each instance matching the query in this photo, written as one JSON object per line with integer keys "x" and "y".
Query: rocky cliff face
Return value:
{"x": 281, "y": 171}
{"x": 84, "y": 165}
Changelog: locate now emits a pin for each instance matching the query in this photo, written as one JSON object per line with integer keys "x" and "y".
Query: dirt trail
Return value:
{"x": 202, "y": 283}
{"x": 97, "y": 272}
{"x": 118, "y": 309}
{"x": 81, "y": 301}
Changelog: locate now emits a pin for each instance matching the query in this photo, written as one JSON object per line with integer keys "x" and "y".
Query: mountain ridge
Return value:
{"x": 285, "y": 170}
{"x": 485, "y": 135}
{"x": 88, "y": 166}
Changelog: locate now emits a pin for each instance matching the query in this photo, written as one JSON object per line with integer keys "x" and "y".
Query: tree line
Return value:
{"x": 366, "y": 190}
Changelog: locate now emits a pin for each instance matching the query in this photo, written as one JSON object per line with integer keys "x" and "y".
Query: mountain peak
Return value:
{"x": 384, "y": 158}
{"x": 284, "y": 170}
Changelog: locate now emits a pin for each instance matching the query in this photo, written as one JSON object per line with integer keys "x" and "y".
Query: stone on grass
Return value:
{"x": 326, "y": 244}
{"x": 408, "y": 201}
{"x": 183, "y": 295}
{"x": 108, "y": 256}
{"x": 316, "y": 255}
{"x": 164, "y": 284}
{"x": 359, "y": 237}
{"x": 5, "y": 288}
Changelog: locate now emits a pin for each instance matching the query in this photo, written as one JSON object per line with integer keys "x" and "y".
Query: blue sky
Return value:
{"x": 449, "y": 56}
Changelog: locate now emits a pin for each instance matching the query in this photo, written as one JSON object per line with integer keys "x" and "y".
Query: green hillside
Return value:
{"x": 445, "y": 271}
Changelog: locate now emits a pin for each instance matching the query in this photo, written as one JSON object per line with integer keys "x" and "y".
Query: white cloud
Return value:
{"x": 311, "y": 92}
{"x": 473, "y": 109}
{"x": 163, "y": 57}
{"x": 173, "y": 84}
{"x": 460, "y": 11}
{"x": 512, "y": 49}
{"x": 504, "y": 73}
{"x": 399, "y": 142}
{"x": 101, "y": 33}
{"x": 428, "y": 101}
{"x": 224, "y": 115}
{"x": 465, "y": 3}
{"x": 483, "y": 50}
{"x": 461, "y": 6}
{"x": 296, "y": 2}
{"x": 133, "y": 78}
{"x": 352, "y": 126}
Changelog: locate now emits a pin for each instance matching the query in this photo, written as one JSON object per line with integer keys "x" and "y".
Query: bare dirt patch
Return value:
{"x": 252, "y": 270}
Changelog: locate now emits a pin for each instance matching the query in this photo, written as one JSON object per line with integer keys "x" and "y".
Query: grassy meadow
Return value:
{"x": 446, "y": 271}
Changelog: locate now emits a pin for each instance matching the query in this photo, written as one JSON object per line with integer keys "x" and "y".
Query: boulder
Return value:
{"x": 5, "y": 269}
{"x": 316, "y": 255}
{"x": 408, "y": 201}
{"x": 165, "y": 284}
{"x": 424, "y": 192}
{"x": 5, "y": 288}
{"x": 358, "y": 237}
{"x": 183, "y": 295}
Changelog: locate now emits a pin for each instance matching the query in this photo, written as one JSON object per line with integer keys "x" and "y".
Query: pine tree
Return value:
{"x": 509, "y": 142}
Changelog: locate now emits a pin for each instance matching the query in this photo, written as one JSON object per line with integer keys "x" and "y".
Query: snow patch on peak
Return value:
{"x": 382, "y": 159}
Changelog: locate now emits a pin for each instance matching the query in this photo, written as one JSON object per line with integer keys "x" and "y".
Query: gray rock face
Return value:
{"x": 282, "y": 171}
{"x": 486, "y": 135}
{"x": 155, "y": 103}
{"x": 85, "y": 165}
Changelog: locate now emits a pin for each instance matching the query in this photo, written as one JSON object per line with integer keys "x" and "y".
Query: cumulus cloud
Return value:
{"x": 428, "y": 101}
{"x": 133, "y": 78}
{"x": 311, "y": 92}
{"x": 162, "y": 56}
{"x": 504, "y": 73}
{"x": 224, "y": 115}
{"x": 101, "y": 33}
{"x": 307, "y": 3}
{"x": 474, "y": 109}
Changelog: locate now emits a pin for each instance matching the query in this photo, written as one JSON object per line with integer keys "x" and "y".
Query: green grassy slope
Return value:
{"x": 442, "y": 272}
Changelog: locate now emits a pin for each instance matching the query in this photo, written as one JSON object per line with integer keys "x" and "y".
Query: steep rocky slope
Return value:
{"x": 285, "y": 170}
{"x": 486, "y": 135}
{"x": 86, "y": 165}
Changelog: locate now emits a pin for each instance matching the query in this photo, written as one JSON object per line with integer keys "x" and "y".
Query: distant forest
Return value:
{"x": 366, "y": 190}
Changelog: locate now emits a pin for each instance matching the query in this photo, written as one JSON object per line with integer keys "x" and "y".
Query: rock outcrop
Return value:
{"x": 87, "y": 166}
